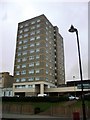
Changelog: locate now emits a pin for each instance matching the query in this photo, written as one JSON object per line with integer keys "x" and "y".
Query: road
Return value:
{"x": 33, "y": 117}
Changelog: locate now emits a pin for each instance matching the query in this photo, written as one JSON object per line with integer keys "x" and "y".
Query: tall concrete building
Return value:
{"x": 39, "y": 59}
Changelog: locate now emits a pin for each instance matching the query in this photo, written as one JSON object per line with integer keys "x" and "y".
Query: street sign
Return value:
{"x": 85, "y": 86}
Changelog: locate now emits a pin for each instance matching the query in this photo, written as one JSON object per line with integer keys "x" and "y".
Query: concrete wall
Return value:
{"x": 55, "y": 110}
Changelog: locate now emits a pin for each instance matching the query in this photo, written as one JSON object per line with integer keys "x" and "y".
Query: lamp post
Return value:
{"x": 72, "y": 29}
{"x": 74, "y": 85}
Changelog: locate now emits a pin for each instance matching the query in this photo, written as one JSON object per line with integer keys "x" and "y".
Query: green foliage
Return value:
{"x": 35, "y": 99}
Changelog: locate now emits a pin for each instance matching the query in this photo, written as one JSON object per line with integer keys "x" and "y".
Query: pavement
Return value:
{"x": 33, "y": 117}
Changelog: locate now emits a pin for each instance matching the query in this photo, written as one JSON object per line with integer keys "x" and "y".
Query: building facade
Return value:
{"x": 6, "y": 80}
{"x": 39, "y": 58}
{"x": 6, "y": 84}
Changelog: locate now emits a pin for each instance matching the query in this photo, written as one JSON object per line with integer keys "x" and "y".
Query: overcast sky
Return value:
{"x": 61, "y": 14}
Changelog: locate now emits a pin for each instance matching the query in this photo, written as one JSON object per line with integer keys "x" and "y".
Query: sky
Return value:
{"x": 59, "y": 13}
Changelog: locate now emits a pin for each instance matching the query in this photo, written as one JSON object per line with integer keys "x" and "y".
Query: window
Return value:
{"x": 18, "y": 54}
{"x": 32, "y": 45}
{"x": 17, "y": 80}
{"x": 26, "y": 24}
{"x": 46, "y": 58}
{"x": 38, "y": 50}
{"x": 25, "y": 41}
{"x": 31, "y": 71}
{"x": 24, "y": 53}
{"x": 26, "y": 35}
{"x": 46, "y": 79}
{"x": 49, "y": 26}
{"x": 7, "y": 93}
{"x": 37, "y": 71}
{"x": 18, "y": 66}
{"x": 32, "y": 38}
{"x": 31, "y": 64}
{"x": 46, "y": 71}
{"x": 46, "y": 39}
{"x": 46, "y": 33}
{"x": 25, "y": 47}
{"x": 32, "y": 33}
{"x": 46, "y": 28}
{"x": 18, "y": 60}
{"x": 46, "y": 45}
{"x": 22, "y": 80}
{"x": 46, "y": 51}
{"x": 24, "y": 66}
{"x": 33, "y": 22}
{"x": 47, "y": 23}
{"x": 17, "y": 73}
{"x": 21, "y": 26}
{"x": 23, "y": 72}
{"x": 31, "y": 79}
{"x": 31, "y": 58}
{"x": 37, "y": 56}
{"x": 50, "y": 32}
{"x": 46, "y": 65}
{"x": 38, "y": 20}
{"x": 38, "y": 37}
{"x": 50, "y": 42}
{"x": 32, "y": 28}
{"x": 26, "y": 86}
{"x": 24, "y": 59}
{"x": 29, "y": 86}
{"x": 37, "y": 63}
{"x": 38, "y": 25}
{"x": 37, "y": 78}
{"x": 38, "y": 31}
{"x": 31, "y": 51}
{"x": 26, "y": 29}
{"x": 19, "y": 48}
{"x": 20, "y": 42}
{"x": 20, "y": 36}
{"x": 20, "y": 31}
{"x": 37, "y": 44}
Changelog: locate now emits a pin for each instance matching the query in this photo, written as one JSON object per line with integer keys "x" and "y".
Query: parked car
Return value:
{"x": 42, "y": 95}
{"x": 73, "y": 98}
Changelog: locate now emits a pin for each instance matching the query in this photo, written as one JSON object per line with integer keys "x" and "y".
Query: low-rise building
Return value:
{"x": 6, "y": 84}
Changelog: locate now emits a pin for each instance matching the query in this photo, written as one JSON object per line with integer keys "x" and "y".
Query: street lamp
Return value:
{"x": 74, "y": 85}
{"x": 72, "y": 29}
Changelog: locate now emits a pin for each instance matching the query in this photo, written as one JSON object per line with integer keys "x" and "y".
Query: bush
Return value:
{"x": 35, "y": 99}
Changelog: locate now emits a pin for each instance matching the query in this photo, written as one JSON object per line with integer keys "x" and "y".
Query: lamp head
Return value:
{"x": 72, "y": 29}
